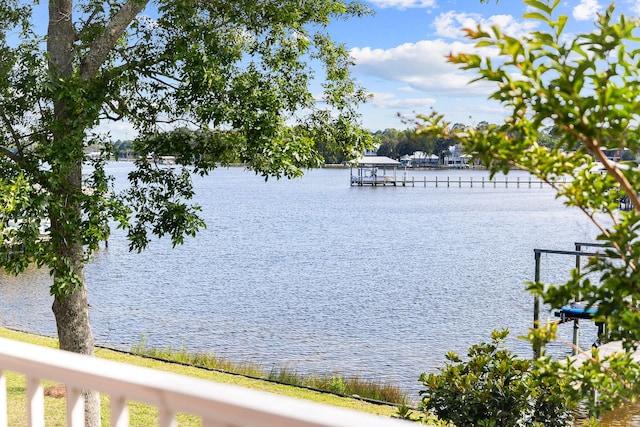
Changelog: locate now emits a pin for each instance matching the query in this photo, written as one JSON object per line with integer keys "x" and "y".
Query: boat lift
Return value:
{"x": 574, "y": 311}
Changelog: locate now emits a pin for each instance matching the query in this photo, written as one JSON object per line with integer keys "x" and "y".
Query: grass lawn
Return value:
{"x": 144, "y": 415}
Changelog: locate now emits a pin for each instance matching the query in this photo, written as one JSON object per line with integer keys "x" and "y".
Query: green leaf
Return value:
{"x": 537, "y": 16}
{"x": 540, "y": 5}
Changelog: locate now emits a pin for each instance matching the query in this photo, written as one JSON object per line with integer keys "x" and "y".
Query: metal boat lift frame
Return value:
{"x": 578, "y": 253}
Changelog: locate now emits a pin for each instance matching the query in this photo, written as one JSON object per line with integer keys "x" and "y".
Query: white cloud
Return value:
{"x": 450, "y": 24}
{"x": 422, "y": 66}
{"x": 403, "y": 4}
{"x": 587, "y": 10}
{"x": 407, "y": 89}
{"x": 389, "y": 100}
{"x": 121, "y": 130}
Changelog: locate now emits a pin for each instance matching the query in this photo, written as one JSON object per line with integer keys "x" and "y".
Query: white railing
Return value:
{"x": 217, "y": 404}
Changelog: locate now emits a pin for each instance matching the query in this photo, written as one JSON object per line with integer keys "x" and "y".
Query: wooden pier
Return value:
{"x": 381, "y": 171}
{"x": 439, "y": 181}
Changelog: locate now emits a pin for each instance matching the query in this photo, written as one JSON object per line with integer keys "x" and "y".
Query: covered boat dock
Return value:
{"x": 374, "y": 170}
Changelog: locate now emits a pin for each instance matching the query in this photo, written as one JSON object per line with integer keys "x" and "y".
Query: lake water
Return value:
{"x": 320, "y": 276}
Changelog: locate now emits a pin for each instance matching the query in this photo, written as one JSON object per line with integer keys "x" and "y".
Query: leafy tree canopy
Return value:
{"x": 183, "y": 74}
{"x": 206, "y": 81}
{"x": 585, "y": 89}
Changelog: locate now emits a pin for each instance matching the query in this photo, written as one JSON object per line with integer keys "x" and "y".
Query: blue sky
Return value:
{"x": 399, "y": 54}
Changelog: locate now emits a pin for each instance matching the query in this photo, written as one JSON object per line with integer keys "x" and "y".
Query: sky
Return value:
{"x": 400, "y": 52}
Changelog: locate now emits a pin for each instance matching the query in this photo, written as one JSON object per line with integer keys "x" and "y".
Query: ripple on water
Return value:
{"x": 321, "y": 276}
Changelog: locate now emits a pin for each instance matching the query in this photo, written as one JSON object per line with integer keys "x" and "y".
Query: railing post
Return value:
{"x": 3, "y": 399}
{"x": 75, "y": 407}
{"x": 35, "y": 402}
{"x": 166, "y": 418}
{"x": 119, "y": 412}
{"x": 210, "y": 423}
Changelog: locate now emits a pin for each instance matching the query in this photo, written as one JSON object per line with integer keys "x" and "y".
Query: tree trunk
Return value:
{"x": 74, "y": 334}
{"x": 68, "y": 131}
{"x": 72, "y": 320}
{"x": 71, "y": 310}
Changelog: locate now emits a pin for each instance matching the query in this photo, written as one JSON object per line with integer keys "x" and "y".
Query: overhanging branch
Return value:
{"x": 104, "y": 44}
{"x": 616, "y": 173}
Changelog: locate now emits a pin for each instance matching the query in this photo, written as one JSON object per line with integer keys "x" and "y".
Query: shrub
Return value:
{"x": 495, "y": 388}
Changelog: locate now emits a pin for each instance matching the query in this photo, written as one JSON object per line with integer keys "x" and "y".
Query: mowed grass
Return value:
{"x": 145, "y": 415}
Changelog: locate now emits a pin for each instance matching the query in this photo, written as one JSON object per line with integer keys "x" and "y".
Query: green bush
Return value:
{"x": 495, "y": 388}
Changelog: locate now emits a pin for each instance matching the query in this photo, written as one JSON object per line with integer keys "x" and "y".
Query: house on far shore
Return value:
{"x": 420, "y": 159}
{"x": 374, "y": 170}
{"x": 457, "y": 159}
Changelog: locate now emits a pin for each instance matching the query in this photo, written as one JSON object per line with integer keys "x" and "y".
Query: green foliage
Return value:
{"x": 585, "y": 89}
{"x": 410, "y": 414}
{"x": 495, "y": 388}
{"x": 395, "y": 143}
{"x": 204, "y": 81}
{"x": 208, "y": 82}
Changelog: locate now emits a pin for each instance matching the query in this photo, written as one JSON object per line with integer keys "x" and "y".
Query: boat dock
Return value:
{"x": 381, "y": 171}
{"x": 413, "y": 181}
{"x": 576, "y": 309}
{"x": 605, "y": 350}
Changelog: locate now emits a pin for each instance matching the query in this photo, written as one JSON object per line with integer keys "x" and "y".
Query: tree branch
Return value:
{"x": 9, "y": 125}
{"x": 617, "y": 174}
{"x": 103, "y": 45}
{"x": 8, "y": 153}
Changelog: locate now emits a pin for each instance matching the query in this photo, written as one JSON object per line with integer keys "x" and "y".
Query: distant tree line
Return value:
{"x": 396, "y": 143}
{"x": 390, "y": 142}
{"x": 223, "y": 141}
{"x": 393, "y": 143}
{"x": 124, "y": 149}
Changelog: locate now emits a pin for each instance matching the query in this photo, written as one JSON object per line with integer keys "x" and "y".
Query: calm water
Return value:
{"x": 322, "y": 277}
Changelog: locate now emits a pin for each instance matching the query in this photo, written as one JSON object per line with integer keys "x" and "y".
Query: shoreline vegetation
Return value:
{"x": 370, "y": 390}
{"x": 142, "y": 415}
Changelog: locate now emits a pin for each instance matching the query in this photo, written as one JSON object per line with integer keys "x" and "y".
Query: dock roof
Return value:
{"x": 375, "y": 161}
